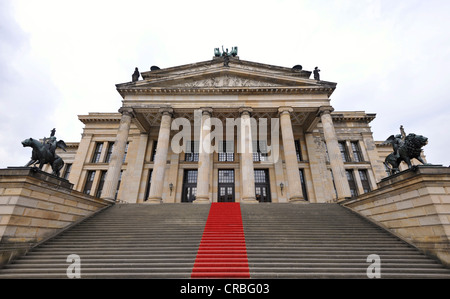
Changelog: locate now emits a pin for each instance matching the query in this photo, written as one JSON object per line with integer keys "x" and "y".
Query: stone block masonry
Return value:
{"x": 415, "y": 205}
{"x": 35, "y": 205}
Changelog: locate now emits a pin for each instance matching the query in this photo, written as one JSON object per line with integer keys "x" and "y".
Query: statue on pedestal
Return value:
{"x": 406, "y": 148}
{"x": 45, "y": 152}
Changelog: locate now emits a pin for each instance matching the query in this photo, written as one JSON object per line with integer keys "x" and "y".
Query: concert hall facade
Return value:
{"x": 226, "y": 130}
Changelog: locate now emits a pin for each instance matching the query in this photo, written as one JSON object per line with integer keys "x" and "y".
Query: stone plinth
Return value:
{"x": 415, "y": 205}
{"x": 35, "y": 205}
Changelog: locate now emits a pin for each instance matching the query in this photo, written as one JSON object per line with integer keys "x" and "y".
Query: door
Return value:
{"x": 189, "y": 185}
{"x": 262, "y": 185}
{"x": 226, "y": 185}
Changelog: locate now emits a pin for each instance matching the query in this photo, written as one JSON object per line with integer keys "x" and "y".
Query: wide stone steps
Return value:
{"x": 281, "y": 241}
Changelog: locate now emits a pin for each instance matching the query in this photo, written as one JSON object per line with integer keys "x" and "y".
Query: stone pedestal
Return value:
{"x": 415, "y": 205}
{"x": 35, "y": 205}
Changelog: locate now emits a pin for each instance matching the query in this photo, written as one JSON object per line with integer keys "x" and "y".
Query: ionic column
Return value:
{"x": 159, "y": 165}
{"x": 204, "y": 161}
{"x": 290, "y": 156}
{"x": 336, "y": 163}
{"x": 247, "y": 172}
{"x": 115, "y": 164}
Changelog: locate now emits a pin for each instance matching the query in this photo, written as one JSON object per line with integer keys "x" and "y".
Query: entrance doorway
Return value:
{"x": 262, "y": 185}
{"x": 226, "y": 185}
{"x": 189, "y": 185}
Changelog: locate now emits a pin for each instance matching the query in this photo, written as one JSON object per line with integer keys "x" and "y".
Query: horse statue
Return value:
{"x": 44, "y": 152}
{"x": 405, "y": 148}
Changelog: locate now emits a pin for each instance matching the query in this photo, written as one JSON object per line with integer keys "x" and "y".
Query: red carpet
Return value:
{"x": 222, "y": 252}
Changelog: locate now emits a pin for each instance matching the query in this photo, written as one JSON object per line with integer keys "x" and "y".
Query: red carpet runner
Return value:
{"x": 222, "y": 252}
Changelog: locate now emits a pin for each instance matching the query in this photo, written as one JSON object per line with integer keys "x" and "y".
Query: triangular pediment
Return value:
{"x": 215, "y": 75}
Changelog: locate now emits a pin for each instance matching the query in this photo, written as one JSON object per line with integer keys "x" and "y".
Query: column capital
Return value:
{"x": 166, "y": 111}
{"x": 245, "y": 110}
{"x": 285, "y": 109}
{"x": 127, "y": 111}
{"x": 325, "y": 110}
{"x": 206, "y": 111}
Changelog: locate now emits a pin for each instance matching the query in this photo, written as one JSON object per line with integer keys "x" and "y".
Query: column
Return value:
{"x": 204, "y": 159}
{"x": 247, "y": 172}
{"x": 290, "y": 156}
{"x": 159, "y": 165}
{"x": 336, "y": 163}
{"x": 115, "y": 164}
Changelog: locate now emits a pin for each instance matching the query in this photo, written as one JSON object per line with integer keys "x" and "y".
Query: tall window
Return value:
{"x": 109, "y": 152}
{"x": 351, "y": 182}
{"x": 191, "y": 154}
{"x": 344, "y": 152}
{"x": 100, "y": 184}
{"x": 125, "y": 154}
{"x": 118, "y": 184}
{"x": 149, "y": 183}
{"x": 356, "y": 151}
{"x": 260, "y": 151}
{"x": 97, "y": 152}
{"x": 364, "y": 180}
{"x": 298, "y": 150}
{"x": 89, "y": 180}
{"x": 303, "y": 182}
{"x": 226, "y": 151}
{"x": 155, "y": 143}
{"x": 67, "y": 171}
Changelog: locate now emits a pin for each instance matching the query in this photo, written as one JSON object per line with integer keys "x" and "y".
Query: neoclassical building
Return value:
{"x": 226, "y": 130}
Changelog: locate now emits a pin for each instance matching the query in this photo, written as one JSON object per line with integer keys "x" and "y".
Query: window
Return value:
{"x": 343, "y": 149}
{"x": 260, "y": 151}
{"x": 97, "y": 152}
{"x": 125, "y": 154}
{"x": 364, "y": 180}
{"x": 226, "y": 151}
{"x": 89, "y": 180}
{"x": 67, "y": 171}
{"x": 303, "y": 182}
{"x": 100, "y": 184}
{"x": 191, "y": 154}
{"x": 298, "y": 150}
{"x": 356, "y": 150}
{"x": 109, "y": 152}
{"x": 351, "y": 183}
{"x": 155, "y": 143}
{"x": 149, "y": 183}
{"x": 118, "y": 184}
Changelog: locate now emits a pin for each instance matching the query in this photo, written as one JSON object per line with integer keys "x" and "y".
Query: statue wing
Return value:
{"x": 390, "y": 140}
{"x": 61, "y": 144}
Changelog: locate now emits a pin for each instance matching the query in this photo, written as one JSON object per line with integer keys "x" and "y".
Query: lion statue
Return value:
{"x": 405, "y": 149}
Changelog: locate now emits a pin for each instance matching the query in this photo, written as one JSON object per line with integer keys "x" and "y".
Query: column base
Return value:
{"x": 156, "y": 200}
{"x": 297, "y": 200}
{"x": 249, "y": 200}
{"x": 201, "y": 200}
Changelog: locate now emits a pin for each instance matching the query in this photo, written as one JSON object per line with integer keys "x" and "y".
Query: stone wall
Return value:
{"x": 35, "y": 205}
{"x": 415, "y": 205}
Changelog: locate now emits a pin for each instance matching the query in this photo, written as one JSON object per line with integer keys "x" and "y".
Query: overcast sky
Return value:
{"x": 60, "y": 59}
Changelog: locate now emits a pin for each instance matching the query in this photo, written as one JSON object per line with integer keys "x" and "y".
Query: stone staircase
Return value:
{"x": 326, "y": 241}
{"x": 282, "y": 241}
